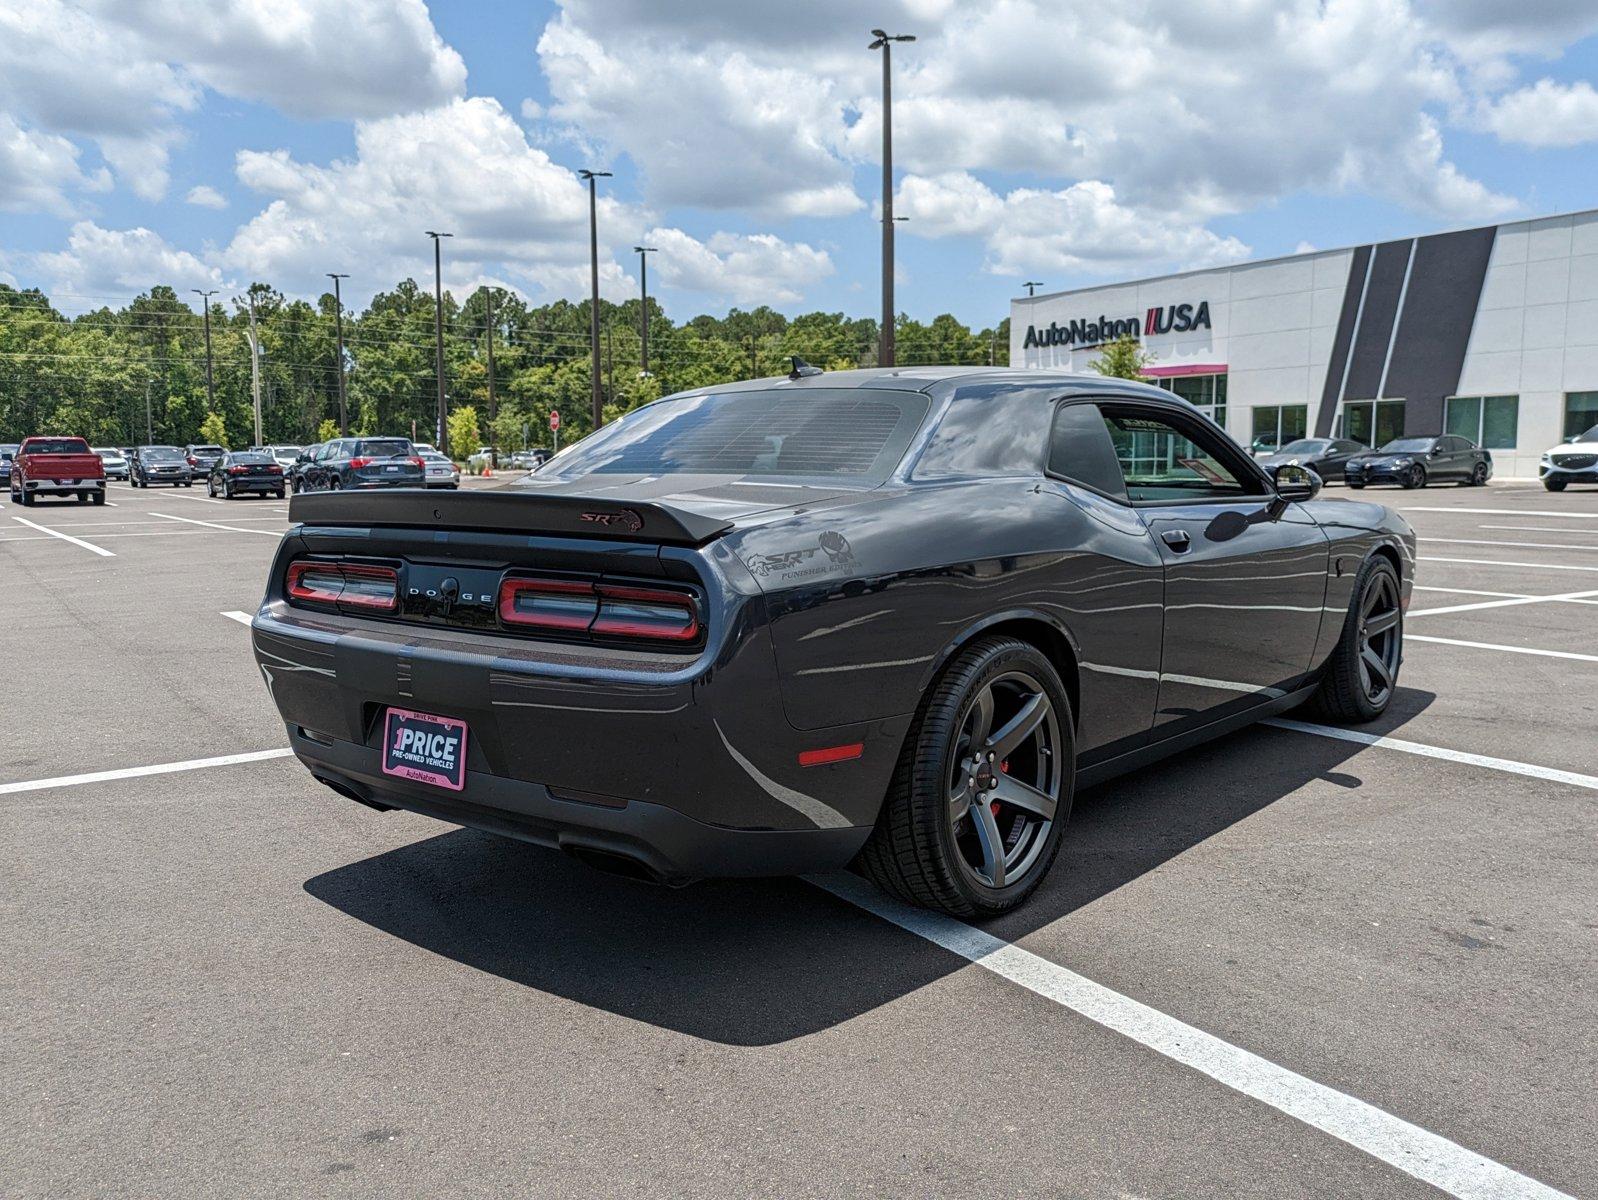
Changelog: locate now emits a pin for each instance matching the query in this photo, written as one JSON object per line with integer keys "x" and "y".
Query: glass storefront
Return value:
{"x": 1277, "y": 424}
{"x": 1207, "y": 393}
{"x": 1372, "y": 422}
{"x": 1581, "y": 412}
{"x": 1488, "y": 421}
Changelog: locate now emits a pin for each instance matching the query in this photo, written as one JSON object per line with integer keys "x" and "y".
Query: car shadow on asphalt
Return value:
{"x": 757, "y": 962}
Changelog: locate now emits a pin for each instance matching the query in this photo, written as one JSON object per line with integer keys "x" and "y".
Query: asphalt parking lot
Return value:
{"x": 1287, "y": 964}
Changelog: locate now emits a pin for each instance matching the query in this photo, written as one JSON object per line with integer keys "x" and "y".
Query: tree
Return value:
{"x": 464, "y": 436}
{"x": 213, "y": 430}
{"x": 1124, "y": 358}
{"x": 327, "y": 430}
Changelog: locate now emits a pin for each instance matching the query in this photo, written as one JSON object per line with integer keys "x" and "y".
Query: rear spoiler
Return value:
{"x": 496, "y": 511}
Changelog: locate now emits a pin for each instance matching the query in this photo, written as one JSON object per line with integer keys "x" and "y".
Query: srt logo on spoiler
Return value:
{"x": 624, "y": 518}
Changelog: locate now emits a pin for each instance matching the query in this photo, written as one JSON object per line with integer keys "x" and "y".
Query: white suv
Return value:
{"x": 1574, "y": 462}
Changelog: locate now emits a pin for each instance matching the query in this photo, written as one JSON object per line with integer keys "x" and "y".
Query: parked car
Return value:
{"x": 530, "y": 460}
{"x": 1575, "y": 461}
{"x": 284, "y": 456}
{"x": 116, "y": 466}
{"x": 8, "y": 451}
{"x": 1325, "y": 456}
{"x": 1265, "y": 444}
{"x": 1413, "y": 462}
{"x": 241, "y": 471}
{"x": 375, "y": 462}
{"x": 292, "y": 472}
{"x": 901, "y": 642}
{"x": 159, "y": 464}
{"x": 440, "y": 472}
{"x": 202, "y": 459}
{"x": 56, "y": 466}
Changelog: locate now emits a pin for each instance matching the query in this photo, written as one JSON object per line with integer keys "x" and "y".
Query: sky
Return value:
{"x": 212, "y": 143}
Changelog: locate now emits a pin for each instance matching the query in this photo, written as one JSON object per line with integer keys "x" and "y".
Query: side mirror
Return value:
{"x": 1296, "y": 483}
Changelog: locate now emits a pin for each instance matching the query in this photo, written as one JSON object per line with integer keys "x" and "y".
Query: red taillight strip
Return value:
{"x": 595, "y": 619}
{"x": 831, "y": 754}
{"x": 316, "y": 593}
{"x": 512, "y": 588}
{"x": 616, "y": 626}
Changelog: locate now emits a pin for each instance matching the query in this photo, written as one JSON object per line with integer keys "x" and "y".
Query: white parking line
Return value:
{"x": 1488, "y": 562}
{"x": 1415, "y": 1151}
{"x": 193, "y": 764}
{"x": 243, "y": 618}
{"x": 214, "y": 525}
{"x": 1540, "y": 528}
{"x": 152, "y": 533}
{"x": 66, "y": 537}
{"x": 1507, "y": 512}
{"x": 1564, "y": 598}
{"x": 1515, "y": 545}
{"x": 1415, "y": 637}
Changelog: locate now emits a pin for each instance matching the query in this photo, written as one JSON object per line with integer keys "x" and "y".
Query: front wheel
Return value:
{"x": 1415, "y": 477}
{"x": 979, "y": 801}
{"x": 1363, "y": 670}
{"x": 1478, "y": 477}
{"x": 1554, "y": 485}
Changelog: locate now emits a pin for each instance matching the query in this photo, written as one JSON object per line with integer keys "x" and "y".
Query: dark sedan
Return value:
{"x": 151, "y": 465}
{"x": 1325, "y": 456}
{"x": 1413, "y": 462}
{"x": 245, "y": 471}
{"x": 894, "y": 619}
{"x": 8, "y": 451}
{"x": 352, "y": 464}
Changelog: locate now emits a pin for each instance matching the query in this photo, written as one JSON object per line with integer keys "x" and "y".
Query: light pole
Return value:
{"x": 593, "y": 271}
{"x": 884, "y": 42}
{"x": 338, "y": 324}
{"x": 1032, "y": 285}
{"x": 488, "y": 321}
{"x": 255, "y": 363}
{"x": 441, "y": 437}
{"x": 210, "y": 388}
{"x": 643, "y": 291}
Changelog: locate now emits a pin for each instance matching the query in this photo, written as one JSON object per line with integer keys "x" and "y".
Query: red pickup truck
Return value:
{"x": 56, "y": 466}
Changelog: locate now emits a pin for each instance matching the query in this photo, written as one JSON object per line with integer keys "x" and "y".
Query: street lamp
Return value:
{"x": 442, "y": 436}
{"x": 643, "y": 291}
{"x": 338, "y": 323}
{"x": 593, "y": 270}
{"x": 884, "y": 42}
{"x": 205, "y": 307}
{"x": 1032, "y": 286}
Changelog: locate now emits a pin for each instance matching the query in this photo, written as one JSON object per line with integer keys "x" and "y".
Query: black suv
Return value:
{"x": 202, "y": 459}
{"x": 374, "y": 462}
{"x": 292, "y": 472}
{"x": 159, "y": 464}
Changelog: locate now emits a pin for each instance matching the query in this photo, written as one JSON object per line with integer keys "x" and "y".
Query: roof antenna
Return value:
{"x": 801, "y": 369}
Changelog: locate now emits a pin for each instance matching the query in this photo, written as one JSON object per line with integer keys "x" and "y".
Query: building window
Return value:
{"x": 1277, "y": 424}
{"x": 1487, "y": 421}
{"x": 1581, "y": 412}
{"x": 1372, "y": 422}
{"x": 1207, "y": 393}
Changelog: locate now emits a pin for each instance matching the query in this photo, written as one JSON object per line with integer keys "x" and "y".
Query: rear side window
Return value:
{"x": 1082, "y": 452}
{"x": 989, "y": 429}
{"x": 56, "y": 446}
{"x": 815, "y": 432}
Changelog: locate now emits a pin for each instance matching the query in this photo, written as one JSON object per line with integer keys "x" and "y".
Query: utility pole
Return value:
{"x": 593, "y": 271}
{"x": 255, "y": 365}
{"x": 884, "y": 43}
{"x": 1032, "y": 285}
{"x": 610, "y": 361}
{"x": 149, "y": 427}
{"x": 754, "y": 358}
{"x": 493, "y": 441}
{"x": 643, "y": 291}
{"x": 338, "y": 324}
{"x": 210, "y": 388}
{"x": 441, "y": 439}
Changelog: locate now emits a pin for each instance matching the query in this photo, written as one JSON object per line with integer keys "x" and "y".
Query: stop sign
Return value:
{"x": 554, "y": 419}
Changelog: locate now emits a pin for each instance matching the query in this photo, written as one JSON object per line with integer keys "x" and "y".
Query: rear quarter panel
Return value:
{"x": 1357, "y": 528}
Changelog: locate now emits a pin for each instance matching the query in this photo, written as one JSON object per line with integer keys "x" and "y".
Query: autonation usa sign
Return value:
{"x": 1084, "y": 333}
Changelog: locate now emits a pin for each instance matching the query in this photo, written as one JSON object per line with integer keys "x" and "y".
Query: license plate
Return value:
{"x": 425, "y": 748}
{"x": 390, "y": 468}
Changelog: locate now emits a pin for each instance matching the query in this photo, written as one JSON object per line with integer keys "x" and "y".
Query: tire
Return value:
{"x": 278, "y": 493}
{"x": 1356, "y": 487}
{"x": 1353, "y": 691}
{"x": 27, "y": 498}
{"x": 1554, "y": 485}
{"x": 925, "y": 851}
{"x": 227, "y": 492}
{"x": 99, "y": 497}
{"x": 188, "y": 483}
{"x": 210, "y": 489}
{"x": 83, "y": 497}
{"x": 1415, "y": 478}
{"x": 1478, "y": 476}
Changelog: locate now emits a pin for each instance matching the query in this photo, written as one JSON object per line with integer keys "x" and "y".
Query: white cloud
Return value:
{"x": 1082, "y": 228}
{"x": 1545, "y": 114}
{"x": 116, "y": 262}
{"x": 38, "y": 170}
{"x": 205, "y": 196}
{"x": 744, "y": 268}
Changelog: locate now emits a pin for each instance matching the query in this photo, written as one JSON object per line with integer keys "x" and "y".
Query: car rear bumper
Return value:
{"x": 63, "y": 486}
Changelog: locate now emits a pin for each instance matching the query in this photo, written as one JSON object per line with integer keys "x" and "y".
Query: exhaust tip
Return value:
{"x": 349, "y": 793}
{"x": 613, "y": 863}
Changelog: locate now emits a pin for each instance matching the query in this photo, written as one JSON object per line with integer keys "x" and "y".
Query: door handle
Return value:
{"x": 1176, "y": 539}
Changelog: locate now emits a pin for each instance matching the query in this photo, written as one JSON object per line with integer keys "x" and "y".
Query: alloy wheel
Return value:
{"x": 1004, "y": 782}
{"x": 1380, "y": 637}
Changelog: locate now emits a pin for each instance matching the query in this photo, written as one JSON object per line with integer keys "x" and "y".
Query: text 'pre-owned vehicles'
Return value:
{"x": 889, "y": 617}
{"x": 1327, "y": 457}
{"x": 202, "y": 458}
{"x": 1575, "y": 461}
{"x": 241, "y": 472}
{"x": 56, "y": 466}
{"x": 346, "y": 464}
{"x": 152, "y": 465}
{"x": 1413, "y": 462}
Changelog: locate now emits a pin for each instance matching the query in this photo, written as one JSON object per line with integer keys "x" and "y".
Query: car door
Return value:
{"x": 1446, "y": 462}
{"x": 1245, "y": 571}
{"x": 321, "y": 468}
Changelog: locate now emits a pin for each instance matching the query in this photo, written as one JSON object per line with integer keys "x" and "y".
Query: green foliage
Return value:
{"x": 119, "y": 376}
{"x": 213, "y": 430}
{"x": 464, "y": 437}
{"x": 1124, "y": 358}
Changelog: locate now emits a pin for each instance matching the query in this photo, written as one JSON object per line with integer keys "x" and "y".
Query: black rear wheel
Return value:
{"x": 1478, "y": 476}
{"x": 1362, "y": 673}
{"x": 978, "y": 804}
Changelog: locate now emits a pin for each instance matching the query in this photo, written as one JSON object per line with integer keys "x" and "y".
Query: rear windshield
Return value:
{"x": 831, "y": 433}
{"x": 383, "y": 447}
{"x": 57, "y": 446}
{"x": 209, "y": 450}
{"x": 252, "y": 458}
{"x": 161, "y": 454}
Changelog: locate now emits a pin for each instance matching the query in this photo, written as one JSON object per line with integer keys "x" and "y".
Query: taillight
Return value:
{"x": 193, "y": 462}
{"x": 605, "y": 609}
{"x": 236, "y": 470}
{"x": 358, "y": 463}
{"x": 420, "y": 465}
{"x": 274, "y": 469}
{"x": 354, "y": 584}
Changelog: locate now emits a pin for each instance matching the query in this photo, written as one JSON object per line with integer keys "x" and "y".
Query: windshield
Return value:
{"x": 1590, "y": 436}
{"x": 209, "y": 450}
{"x": 58, "y": 446}
{"x": 1408, "y": 445}
{"x": 1304, "y": 446}
{"x": 284, "y": 451}
{"x": 251, "y": 458}
{"x": 383, "y": 448}
{"x": 161, "y": 454}
{"x": 833, "y": 433}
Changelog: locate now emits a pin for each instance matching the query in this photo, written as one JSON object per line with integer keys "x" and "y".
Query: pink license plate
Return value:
{"x": 426, "y": 748}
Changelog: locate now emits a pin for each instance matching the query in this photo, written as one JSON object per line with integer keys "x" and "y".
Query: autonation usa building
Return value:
{"x": 1490, "y": 333}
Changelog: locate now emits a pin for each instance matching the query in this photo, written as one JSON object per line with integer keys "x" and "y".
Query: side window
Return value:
{"x": 989, "y": 429}
{"x": 1163, "y": 458}
{"x": 1081, "y": 451}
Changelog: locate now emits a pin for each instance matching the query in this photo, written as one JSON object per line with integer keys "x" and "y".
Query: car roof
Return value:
{"x": 943, "y": 380}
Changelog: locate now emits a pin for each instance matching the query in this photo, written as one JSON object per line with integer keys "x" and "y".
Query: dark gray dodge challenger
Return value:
{"x": 890, "y": 618}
